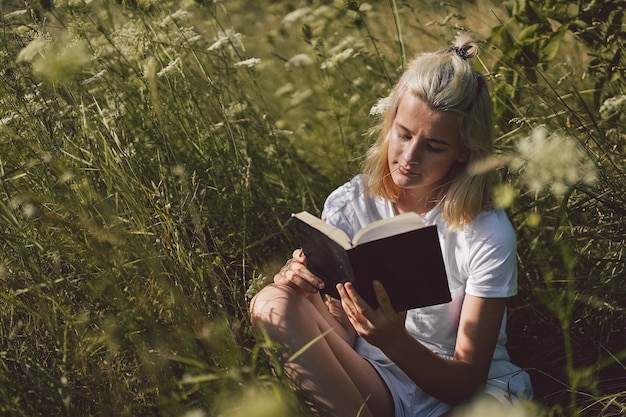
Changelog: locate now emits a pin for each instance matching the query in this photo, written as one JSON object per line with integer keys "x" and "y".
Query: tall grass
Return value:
{"x": 151, "y": 153}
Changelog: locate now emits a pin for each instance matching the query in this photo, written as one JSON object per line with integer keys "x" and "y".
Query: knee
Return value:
{"x": 269, "y": 306}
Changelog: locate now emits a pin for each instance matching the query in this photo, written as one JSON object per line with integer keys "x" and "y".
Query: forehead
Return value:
{"x": 416, "y": 116}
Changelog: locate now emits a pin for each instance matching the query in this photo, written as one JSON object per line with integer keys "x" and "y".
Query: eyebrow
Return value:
{"x": 430, "y": 139}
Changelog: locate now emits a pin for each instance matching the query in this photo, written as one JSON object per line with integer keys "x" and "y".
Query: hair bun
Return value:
{"x": 465, "y": 46}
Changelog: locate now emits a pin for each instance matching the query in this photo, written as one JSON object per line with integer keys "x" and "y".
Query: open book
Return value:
{"x": 400, "y": 251}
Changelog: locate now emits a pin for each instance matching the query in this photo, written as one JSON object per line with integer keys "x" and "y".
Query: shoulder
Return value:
{"x": 492, "y": 227}
{"x": 346, "y": 193}
{"x": 492, "y": 250}
{"x": 351, "y": 207}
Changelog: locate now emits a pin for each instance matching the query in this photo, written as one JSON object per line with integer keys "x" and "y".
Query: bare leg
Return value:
{"x": 333, "y": 378}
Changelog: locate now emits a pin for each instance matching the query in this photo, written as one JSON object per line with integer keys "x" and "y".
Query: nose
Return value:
{"x": 413, "y": 151}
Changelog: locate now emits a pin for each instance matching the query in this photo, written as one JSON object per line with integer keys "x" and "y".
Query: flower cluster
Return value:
{"x": 552, "y": 161}
{"x": 613, "y": 106}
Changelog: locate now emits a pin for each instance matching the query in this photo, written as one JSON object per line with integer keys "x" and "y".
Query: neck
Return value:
{"x": 419, "y": 204}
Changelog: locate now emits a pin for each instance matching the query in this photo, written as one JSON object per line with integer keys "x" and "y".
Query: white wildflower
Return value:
{"x": 365, "y": 7}
{"x": 197, "y": 412}
{"x": 295, "y": 16}
{"x": 299, "y": 60}
{"x": 504, "y": 195}
{"x": 485, "y": 407}
{"x": 172, "y": 18}
{"x": 552, "y": 162}
{"x": 381, "y": 106}
{"x": 270, "y": 150}
{"x": 299, "y": 96}
{"x": 130, "y": 40}
{"x": 612, "y": 106}
{"x": 355, "y": 98}
{"x": 195, "y": 38}
{"x": 15, "y": 13}
{"x": 29, "y": 210}
{"x": 236, "y": 109}
{"x": 251, "y": 62}
{"x": 95, "y": 77}
{"x": 284, "y": 89}
{"x": 66, "y": 177}
{"x": 282, "y": 132}
{"x": 337, "y": 59}
{"x": 347, "y": 42}
{"x": 187, "y": 34}
{"x": 171, "y": 67}
{"x": 228, "y": 37}
{"x": 8, "y": 118}
{"x": 322, "y": 13}
{"x": 36, "y": 48}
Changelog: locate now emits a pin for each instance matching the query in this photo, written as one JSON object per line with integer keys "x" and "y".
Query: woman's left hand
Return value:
{"x": 379, "y": 326}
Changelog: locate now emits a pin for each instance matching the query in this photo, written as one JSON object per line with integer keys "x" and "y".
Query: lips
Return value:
{"x": 406, "y": 170}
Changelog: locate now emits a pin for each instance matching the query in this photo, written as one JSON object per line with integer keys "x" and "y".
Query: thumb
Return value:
{"x": 384, "y": 302}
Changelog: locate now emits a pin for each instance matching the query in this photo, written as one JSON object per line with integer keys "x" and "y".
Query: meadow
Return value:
{"x": 151, "y": 153}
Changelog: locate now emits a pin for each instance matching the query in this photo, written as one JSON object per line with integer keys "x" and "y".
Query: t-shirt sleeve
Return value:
{"x": 337, "y": 211}
{"x": 493, "y": 257}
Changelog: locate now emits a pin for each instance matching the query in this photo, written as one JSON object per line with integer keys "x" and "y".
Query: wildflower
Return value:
{"x": 299, "y": 60}
{"x": 95, "y": 77}
{"x": 533, "y": 219}
{"x": 299, "y": 96}
{"x": 612, "y": 106}
{"x": 380, "y": 107}
{"x": 34, "y": 49}
{"x": 8, "y": 118}
{"x": 172, "y": 18}
{"x": 130, "y": 40}
{"x": 172, "y": 66}
{"x": 235, "y": 109}
{"x": 552, "y": 162}
{"x": 251, "y": 62}
{"x": 504, "y": 196}
{"x": 347, "y": 42}
{"x": 15, "y": 13}
{"x": 354, "y": 99}
{"x": 195, "y": 413}
{"x": 295, "y": 16}
{"x": 54, "y": 62}
{"x": 337, "y": 58}
{"x": 228, "y": 37}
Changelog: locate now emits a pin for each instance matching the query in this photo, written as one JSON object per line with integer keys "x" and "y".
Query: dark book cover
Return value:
{"x": 409, "y": 265}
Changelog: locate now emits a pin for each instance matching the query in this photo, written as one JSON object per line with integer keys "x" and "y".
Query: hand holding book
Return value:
{"x": 399, "y": 251}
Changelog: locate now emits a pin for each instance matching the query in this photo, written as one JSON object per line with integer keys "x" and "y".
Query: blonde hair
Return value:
{"x": 446, "y": 81}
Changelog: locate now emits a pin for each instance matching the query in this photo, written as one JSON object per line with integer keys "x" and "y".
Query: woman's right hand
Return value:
{"x": 296, "y": 275}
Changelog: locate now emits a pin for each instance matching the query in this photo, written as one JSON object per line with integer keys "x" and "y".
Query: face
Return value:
{"x": 424, "y": 144}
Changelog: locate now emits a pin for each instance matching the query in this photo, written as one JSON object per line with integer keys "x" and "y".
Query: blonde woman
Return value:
{"x": 422, "y": 362}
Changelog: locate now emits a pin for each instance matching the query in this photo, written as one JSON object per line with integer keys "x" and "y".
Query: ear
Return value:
{"x": 463, "y": 156}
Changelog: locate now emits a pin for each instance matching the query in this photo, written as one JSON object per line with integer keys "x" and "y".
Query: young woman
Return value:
{"x": 423, "y": 362}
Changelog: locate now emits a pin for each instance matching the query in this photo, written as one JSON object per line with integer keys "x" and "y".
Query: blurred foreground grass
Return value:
{"x": 151, "y": 153}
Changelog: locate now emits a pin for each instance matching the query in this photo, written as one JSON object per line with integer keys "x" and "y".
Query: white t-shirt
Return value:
{"x": 480, "y": 260}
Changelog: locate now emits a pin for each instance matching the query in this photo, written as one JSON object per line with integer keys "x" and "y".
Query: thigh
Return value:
{"x": 295, "y": 321}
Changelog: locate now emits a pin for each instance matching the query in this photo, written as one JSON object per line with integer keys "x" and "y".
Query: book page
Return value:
{"x": 388, "y": 227}
{"x": 329, "y": 230}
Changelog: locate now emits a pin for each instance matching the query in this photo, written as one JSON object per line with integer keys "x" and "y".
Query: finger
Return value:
{"x": 296, "y": 274}
{"x": 384, "y": 302}
{"x": 359, "y": 305}
{"x": 302, "y": 271}
{"x": 299, "y": 256}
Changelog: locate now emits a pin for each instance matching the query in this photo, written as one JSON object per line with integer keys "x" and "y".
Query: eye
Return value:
{"x": 434, "y": 149}
{"x": 403, "y": 136}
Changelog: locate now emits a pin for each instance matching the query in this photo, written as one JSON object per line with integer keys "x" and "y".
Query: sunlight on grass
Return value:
{"x": 151, "y": 153}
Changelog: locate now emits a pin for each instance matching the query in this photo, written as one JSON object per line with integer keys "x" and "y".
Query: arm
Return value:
{"x": 450, "y": 380}
{"x": 457, "y": 380}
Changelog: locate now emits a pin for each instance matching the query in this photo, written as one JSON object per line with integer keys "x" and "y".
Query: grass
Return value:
{"x": 151, "y": 153}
